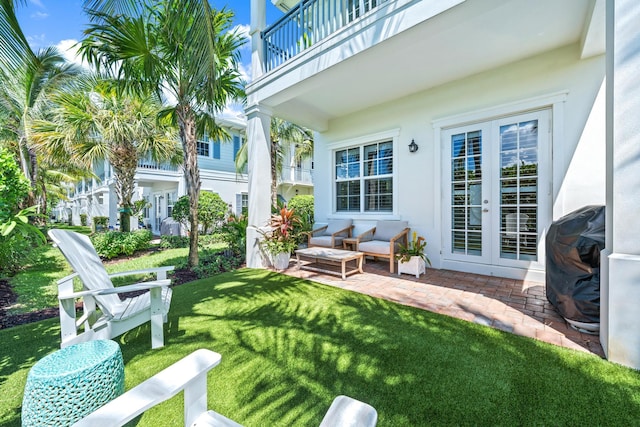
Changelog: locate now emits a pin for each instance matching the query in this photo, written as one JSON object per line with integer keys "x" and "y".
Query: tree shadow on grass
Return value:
{"x": 289, "y": 346}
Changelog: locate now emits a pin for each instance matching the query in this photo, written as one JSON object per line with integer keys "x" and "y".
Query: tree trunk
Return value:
{"x": 25, "y": 164}
{"x": 187, "y": 124}
{"x": 124, "y": 159}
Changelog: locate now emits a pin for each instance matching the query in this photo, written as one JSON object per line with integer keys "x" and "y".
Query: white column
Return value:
{"x": 258, "y": 23}
{"x": 182, "y": 185}
{"x": 620, "y": 287}
{"x": 259, "y": 169}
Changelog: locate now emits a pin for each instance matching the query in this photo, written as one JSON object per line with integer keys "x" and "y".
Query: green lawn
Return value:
{"x": 289, "y": 346}
{"x": 37, "y": 289}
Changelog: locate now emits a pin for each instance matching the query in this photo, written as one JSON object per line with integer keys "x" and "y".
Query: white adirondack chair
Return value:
{"x": 190, "y": 374}
{"x": 105, "y": 315}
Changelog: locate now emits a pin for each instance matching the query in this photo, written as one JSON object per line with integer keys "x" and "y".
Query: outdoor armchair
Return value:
{"x": 190, "y": 374}
{"x": 331, "y": 235}
{"x": 383, "y": 240}
{"x": 105, "y": 315}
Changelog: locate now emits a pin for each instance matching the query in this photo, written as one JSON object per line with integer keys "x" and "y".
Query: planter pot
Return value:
{"x": 280, "y": 261}
{"x": 415, "y": 266}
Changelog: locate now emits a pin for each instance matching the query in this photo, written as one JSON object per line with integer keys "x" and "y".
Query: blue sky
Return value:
{"x": 61, "y": 22}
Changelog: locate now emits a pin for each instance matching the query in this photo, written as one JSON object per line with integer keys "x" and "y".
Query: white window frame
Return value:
{"x": 172, "y": 197}
{"x": 202, "y": 143}
{"x": 359, "y": 142}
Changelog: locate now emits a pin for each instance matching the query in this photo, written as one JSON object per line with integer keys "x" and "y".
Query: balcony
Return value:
{"x": 307, "y": 23}
{"x": 296, "y": 176}
{"x": 153, "y": 165}
{"x": 328, "y": 59}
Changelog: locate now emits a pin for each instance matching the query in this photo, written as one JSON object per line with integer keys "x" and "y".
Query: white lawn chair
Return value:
{"x": 190, "y": 374}
{"x": 114, "y": 316}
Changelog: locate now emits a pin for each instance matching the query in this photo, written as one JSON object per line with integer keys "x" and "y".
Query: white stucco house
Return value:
{"x": 521, "y": 113}
{"x": 161, "y": 184}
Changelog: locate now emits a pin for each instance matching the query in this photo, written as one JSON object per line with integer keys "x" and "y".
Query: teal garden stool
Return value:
{"x": 69, "y": 384}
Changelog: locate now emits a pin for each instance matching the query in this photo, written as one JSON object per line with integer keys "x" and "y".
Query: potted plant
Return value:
{"x": 281, "y": 241}
{"x": 411, "y": 258}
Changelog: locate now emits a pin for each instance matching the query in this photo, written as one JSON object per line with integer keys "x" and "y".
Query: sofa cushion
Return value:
{"x": 374, "y": 247}
{"x": 386, "y": 230}
{"x": 337, "y": 225}
{"x": 325, "y": 241}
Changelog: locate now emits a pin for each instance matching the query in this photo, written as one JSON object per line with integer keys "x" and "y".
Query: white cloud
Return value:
{"x": 39, "y": 15}
{"x": 233, "y": 110}
{"x": 243, "y": 30}
{"x": 69, "y": 49}
{"x": 245, "y": 72}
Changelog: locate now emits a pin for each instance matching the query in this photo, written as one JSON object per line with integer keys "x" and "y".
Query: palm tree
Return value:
{"x": 283, "y": 134}
{"x": 27, "y": 80}
{"x": 14, "y": 49}
{"x": 180, "y": 48}
{"x": 95, "y": 122}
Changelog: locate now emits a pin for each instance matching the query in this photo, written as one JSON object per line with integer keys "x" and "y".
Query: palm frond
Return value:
{"x": 14, "y": 49}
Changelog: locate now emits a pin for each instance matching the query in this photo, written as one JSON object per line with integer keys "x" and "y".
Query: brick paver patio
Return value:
{"x": 515, "y": 306}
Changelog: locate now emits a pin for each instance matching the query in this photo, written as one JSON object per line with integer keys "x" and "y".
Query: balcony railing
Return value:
{"x": 291, "y": 175}
{"x": 307, "y": 24}
{"x": 152, "y": 165}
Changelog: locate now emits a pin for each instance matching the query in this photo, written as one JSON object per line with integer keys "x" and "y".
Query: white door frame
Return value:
{"x": 555, "y": 104}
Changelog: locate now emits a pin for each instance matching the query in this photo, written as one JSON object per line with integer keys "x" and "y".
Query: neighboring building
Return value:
{"x": 507, "y": 105}
{"x": 162, "y": 184}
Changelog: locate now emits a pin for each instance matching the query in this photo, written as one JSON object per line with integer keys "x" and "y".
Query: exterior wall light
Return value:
{"x": 413, "y": 147}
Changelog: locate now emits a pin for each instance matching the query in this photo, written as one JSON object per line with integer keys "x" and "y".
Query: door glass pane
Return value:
{"x": 519, "y": 191}
{"x": 466, "y": 193}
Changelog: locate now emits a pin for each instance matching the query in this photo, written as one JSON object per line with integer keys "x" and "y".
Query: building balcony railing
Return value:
{"x": 300, "y": 176}
{"x": 308, "y": 23}
{"x": 152, "y": 165}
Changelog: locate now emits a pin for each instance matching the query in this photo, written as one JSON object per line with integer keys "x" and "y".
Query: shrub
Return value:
{"x": 210, "y": 239}
{"x": 100, "y": 223}
{"x": 173, "y": 242}
{"x": 211, "y": 210}
{"x": 115, "y": 243}
{"x": 83, "y": 219}
{"x": 14, "y": 187}
{"x": 303, "y": 205}
{"x": 212, "y": 263}
{"x": 234, "y": 234}
{"x": 18, "y": 237}
{"x": 17, "y": 252}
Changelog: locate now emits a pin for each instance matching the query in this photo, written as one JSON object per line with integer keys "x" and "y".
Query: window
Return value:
{"x": 171, "y": 200}
{"x": 245, "y": 204}
{"x": 242, "y": 203}
{"x": 364, "y": 178}
{"x": 203, "y": 148}
{"x": 216, "y": 149}
{"x": 145, "y": 210}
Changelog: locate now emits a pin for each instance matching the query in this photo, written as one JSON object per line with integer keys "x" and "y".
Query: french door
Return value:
{"x": 497, "y": 190}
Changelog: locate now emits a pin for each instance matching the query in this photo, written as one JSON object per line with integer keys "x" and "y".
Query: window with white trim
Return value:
{"x": 364, "y": 178}
{"x": 203, "y": 148}
{"x": 171, "y": 200}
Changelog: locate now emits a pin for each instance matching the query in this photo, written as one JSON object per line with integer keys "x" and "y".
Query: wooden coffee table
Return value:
{"x": 330, "y": 256}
